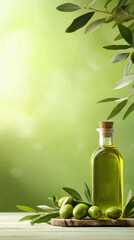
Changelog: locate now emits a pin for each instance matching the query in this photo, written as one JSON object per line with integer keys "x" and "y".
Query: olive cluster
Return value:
{"x": 69, "y": 208}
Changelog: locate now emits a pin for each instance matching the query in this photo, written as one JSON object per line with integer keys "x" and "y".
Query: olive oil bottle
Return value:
{"x": 107, "y": 171}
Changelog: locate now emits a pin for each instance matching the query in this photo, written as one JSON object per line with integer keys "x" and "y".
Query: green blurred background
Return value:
{"x": 50, "y": 82}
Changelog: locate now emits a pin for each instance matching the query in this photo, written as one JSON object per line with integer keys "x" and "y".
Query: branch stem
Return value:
{"x": 106, "y": 12}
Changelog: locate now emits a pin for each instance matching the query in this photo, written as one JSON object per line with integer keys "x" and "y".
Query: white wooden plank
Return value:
{"x": 10, "y": 229}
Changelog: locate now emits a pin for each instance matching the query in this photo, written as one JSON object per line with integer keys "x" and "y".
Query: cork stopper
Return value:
{"x": 106, "y": 128}
{"x": 106, "y": 125}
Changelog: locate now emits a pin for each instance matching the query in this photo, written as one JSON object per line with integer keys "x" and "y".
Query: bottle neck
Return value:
{"x": 107, "y": 141}
{"x": 105, "y": 136}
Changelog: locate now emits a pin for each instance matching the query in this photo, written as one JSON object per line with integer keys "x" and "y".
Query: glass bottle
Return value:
{"x": 107, "y": 171}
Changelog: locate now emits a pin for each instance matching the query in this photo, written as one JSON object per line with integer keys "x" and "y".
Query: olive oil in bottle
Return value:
{"x": 107, "y": 171}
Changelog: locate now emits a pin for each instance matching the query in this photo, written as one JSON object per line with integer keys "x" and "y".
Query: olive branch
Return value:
{"x": 120, "y": 15}
{"x": 50, "y": 212}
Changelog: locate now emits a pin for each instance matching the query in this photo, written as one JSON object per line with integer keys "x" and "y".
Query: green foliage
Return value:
{"x": 128, "y": 67}
{"x": 108, "y": 100}
{"x": 94, "y": 25}
{"x": 73, "y": 193}
{"x": 54, "y": 201}
{"x": 29, "y": 217}
{"x": 110, "y": 19}
{"x": 87, "y": 192}
{"x": 121, "y": 13}
{"x": 117, "y": 47}
{"x": 117, "y": 109}
{"x": 129, "y": 196}
{"x": 92, "y": 2}
{"x": 107, "y": 2}
{"x": 68, "y": 7}
{"x": 125, "y": 81}
{"x": 126, "y": 34}
{"x": 130, "y": 109}
{"x": 46, "y": 208}
{"x": 49, "y": 212}
{"x": 131, "y": 27}
{"x": 121, "y": 3}
{"x": 129, "y": 207}
{"x": 120, "y": 57}
{"x": 131, "y": 214}
{"x": 26, "y": 209}
{"x": 79, "y": 22}
{"x": 44, "y": 218}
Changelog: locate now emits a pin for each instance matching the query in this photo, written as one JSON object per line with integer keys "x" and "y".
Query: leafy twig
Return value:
{"x": 49, "y": 212}
{"x": 121, "y": 13}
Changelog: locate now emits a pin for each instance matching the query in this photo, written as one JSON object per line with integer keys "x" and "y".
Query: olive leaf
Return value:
{"x": 92, "y": 2}
{"x": 128, "y": 67}
{"x": 94, "y": 25}
{"x": 106, "y": 4}
{"x": 130, "y": 109}
{"x": 54, "y": 201}
{"x": 87, "y": 192}
{"x": 125, "y": 81}
{"x": 120, "y": 20}
{"x": 108, "y": 100}
{"x": 121, "y": 99}
{"x": 131, "y": 27}
{"x": 26, "y": 209}
{"x": 73, "y": 193}
{"x": 46, "y": 208}
{"x": 79, "y": 22}
{"x": 29, "y": 217}
{"x": 113, "y": 100}
{"x": 118, "y": 37}
{"x": 44, "y": 218}
{"x": 110, "y": 19}
{"x": 129, "y": 207}
{"x": 117, "y": 109}
{"x": 117, "y": 47}
{"x": 129, "y": 4}
{"x": 121, "y": 3}
{"x": 126, "y": 34}
{"x": 131, "y": 214}
{"x": 120, "y": 57}
{"x": 131, "y": 92}
{"x": 129, "y": 196}
{"x": 68, "y": 7}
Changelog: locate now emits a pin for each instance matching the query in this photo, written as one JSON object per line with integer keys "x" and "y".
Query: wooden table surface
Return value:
{"x": 10, "y": 228}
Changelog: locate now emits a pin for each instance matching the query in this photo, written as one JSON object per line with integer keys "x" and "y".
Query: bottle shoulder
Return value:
{"x": 106, "y": 150}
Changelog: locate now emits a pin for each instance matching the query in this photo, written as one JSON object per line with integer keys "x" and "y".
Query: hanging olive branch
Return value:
{"x": 122, "y": 13}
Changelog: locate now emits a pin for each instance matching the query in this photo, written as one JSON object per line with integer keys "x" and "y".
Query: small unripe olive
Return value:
{"x": 65, "y": 200}
{"x": 113, "y": 212}
{"x": 80, "y": 211}
{"x": 94, "y": 212}
{"x": 66, "y": 211}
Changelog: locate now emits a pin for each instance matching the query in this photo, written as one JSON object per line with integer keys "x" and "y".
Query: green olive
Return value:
{"x": 94, "y": 212}
{"x": 66, "y": 211}
{"x": 80, "y": 211}
{"x": 132, "y": 57}
{"x": 65, "y": 200}
{"x": 113, "y": 212}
